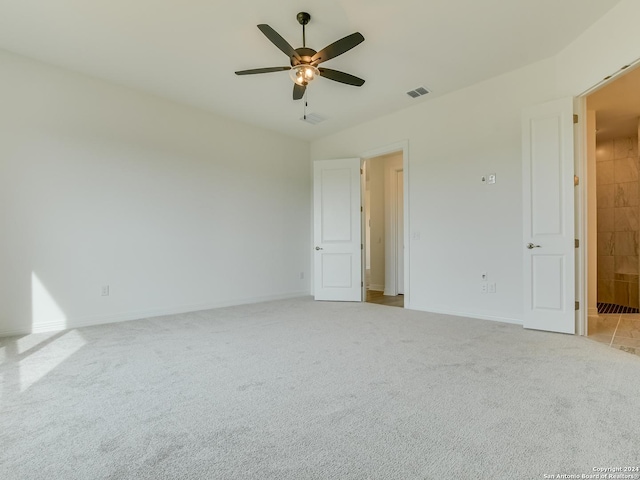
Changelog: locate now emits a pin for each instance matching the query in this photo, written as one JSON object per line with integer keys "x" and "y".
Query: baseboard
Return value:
{"x": 376, "y": 288}
{"x": 593, "y": 312}
{"x": 444, "y": 311}
{"x": 140, "y": 314}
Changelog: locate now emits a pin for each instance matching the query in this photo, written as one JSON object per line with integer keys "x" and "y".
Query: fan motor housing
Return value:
{"x": 305, "y": 56}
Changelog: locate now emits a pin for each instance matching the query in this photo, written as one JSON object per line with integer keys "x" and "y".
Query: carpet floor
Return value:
{"x": 298, "y": 389}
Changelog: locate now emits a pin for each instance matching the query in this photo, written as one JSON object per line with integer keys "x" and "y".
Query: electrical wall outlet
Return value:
{"x": 492, "y": 287}
{"x": 105, "y": 290}
{"x": 484, "y": 287}
{"x": 301, "y": 275}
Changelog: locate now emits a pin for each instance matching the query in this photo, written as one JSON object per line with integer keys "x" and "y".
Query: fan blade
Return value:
{"x": 278, "y": 41}
{"x": 262, "y": 70}
{"x": 337, "y": 48}
{"x": 341, "y": 77}
{"x": 298, "y": 91}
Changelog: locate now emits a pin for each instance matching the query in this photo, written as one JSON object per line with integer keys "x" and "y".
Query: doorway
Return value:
{"x": 613, "y": 212}
{"x": 384, "y": 229}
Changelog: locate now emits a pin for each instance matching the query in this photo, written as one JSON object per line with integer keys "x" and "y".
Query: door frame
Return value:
{"x": 581, "y": 213}
{"x": 581, "y": 198}
{"x": 400, "y": 146}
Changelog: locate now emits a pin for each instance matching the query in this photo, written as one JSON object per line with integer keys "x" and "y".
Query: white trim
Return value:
{"x": 610, "y": 79}
{"x": 376, "y": 288}
{"x": 402, "y": 145}
{"x": 492, "y": 318}
{"x": 143, "y": 314}
{"x": 385, "y": 149}
{"x": 581, "y": 215}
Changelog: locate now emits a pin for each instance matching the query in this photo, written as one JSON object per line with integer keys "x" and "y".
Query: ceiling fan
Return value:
{"x": 304, "y": 61}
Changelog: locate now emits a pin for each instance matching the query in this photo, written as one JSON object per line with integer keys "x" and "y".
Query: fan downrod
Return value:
{"x": 303, "y": 19}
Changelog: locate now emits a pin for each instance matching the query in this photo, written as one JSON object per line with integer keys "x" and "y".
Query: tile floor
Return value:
{"x": 618, "y": 331}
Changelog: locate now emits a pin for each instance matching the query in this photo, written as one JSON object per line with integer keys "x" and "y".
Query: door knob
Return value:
{"x": 318, "y": 248}
{"x": 531, "y": 246}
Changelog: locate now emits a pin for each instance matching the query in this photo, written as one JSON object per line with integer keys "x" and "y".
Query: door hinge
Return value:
{"x": 577, "y": 243}
{"x": 361, "y": 171}
{"x": 361, "y": 209}
{"x": 575, "y": 118}
{"x": 361, "y": 246}
{"x": 576, "y": 180}
{"x": 362, "y": 284}
{"x": 577, "y": 305}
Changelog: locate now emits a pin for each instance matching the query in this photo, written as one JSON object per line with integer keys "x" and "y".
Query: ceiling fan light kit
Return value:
{"x": 304, "y": 61}
{"x": 303, "y": 74}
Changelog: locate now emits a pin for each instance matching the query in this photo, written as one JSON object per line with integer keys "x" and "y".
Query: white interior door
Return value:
{"x": 548, "y": 217}
{"x": 337, "y": 230}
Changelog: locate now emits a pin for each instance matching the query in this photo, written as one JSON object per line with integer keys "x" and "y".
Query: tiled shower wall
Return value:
{"x": 618, "y": 199}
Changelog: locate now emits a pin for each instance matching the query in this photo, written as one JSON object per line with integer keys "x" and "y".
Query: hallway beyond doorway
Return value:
{"x": 381, "y": 299}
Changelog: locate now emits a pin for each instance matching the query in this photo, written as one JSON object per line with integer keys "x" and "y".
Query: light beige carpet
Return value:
{"x": 300, "y": 390}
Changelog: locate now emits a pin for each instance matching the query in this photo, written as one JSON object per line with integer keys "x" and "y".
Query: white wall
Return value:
{"x": 178, "y": 209}
{"x": 465, "y": 227}
{"x": 175, "y": 208}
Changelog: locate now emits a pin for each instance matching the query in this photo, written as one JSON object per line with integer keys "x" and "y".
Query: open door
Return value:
{"x": 337, "y": 230}
{"x": 548, "y": 217}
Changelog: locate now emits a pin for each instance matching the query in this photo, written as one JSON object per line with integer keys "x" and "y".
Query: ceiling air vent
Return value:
{"x": 313, "y": 118}
{"x": 418, "y": 92}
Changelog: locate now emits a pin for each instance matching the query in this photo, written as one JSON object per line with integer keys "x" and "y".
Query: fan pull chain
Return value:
{"x": 306, "y": 104}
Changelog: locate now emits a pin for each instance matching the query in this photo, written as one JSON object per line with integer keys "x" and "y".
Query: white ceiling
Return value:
{"x": 187, "y": 50}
